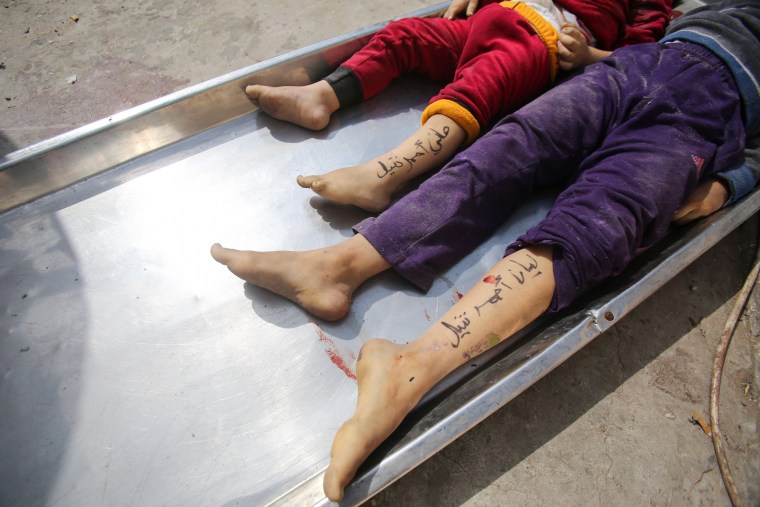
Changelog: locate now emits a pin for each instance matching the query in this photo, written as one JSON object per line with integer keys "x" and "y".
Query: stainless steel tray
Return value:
{"x": 136, "y": 370}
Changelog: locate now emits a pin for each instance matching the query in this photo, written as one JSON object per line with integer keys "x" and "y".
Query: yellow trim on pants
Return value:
{"x": 543, "y": 28}
{"x": 457, "y": 112}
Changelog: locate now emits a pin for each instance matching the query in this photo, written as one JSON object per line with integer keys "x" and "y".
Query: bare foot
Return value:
{"x": 356, "y": 185}
{"x": 321, "y": 281}
{"x": 371, "y": 185}
{"x": 309, "y": 106}
{"x": 391, "y": 380}
{"x": 310, "y": 279}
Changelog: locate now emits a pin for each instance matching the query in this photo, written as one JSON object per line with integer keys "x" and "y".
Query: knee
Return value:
{"x": 588, "y": 249}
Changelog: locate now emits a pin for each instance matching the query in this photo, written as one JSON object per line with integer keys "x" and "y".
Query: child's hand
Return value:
{"x": 573, "y": 48}
{"x": 457, "y": 6}
{"x": 706, "y": 199}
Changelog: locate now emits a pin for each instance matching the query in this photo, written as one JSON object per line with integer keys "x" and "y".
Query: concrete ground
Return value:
{"x": 611, "y": 426}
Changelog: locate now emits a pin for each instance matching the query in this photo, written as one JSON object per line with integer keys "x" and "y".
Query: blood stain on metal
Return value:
{"x": 334, "y": 355}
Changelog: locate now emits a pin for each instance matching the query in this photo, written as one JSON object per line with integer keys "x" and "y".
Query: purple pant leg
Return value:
{"x": 455, "y": 210}
{"x": 582, "y": 132}
{"x": 682, "y": 123}
{"x": 449, "y": 215}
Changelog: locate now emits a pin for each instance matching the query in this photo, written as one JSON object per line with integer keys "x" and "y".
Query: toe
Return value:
{"x": 333, "y": 490}
{"x": 218, "y": 252}
{"x": 307, "y": 181}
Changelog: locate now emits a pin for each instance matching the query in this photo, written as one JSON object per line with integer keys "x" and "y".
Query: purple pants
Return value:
{"x": 628, "y": 140}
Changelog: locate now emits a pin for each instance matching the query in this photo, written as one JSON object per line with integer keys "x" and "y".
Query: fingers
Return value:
{"x": 565, "y": 57}
{"x": 572, "y": 47}
{"x": 458, "y": 6}
{"x": 471, "y": 7}
{"x": 684, "y": 216}
{"x": 568, "y": 57}
{"x": 566, "y": 65}
{"x": 706, "y": 199}
{"x": 454, "y": 9}
{"x": 571, "y": 29}
{"x": 563, "y": 51}
{"x": 694, "y": 210}
{"x": 679, "y": 214}
{"x": 571, "y": 37}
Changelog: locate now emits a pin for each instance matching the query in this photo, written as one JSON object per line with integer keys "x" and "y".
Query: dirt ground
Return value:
{"x": 614, "y": 425}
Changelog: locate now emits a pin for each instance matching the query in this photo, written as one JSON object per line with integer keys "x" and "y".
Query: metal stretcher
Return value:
{"x": 136, "y": 370}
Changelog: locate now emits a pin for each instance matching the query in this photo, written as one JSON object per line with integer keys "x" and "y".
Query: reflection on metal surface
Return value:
{"x": 136, "y": 369}
{"x": 39, "y": 170}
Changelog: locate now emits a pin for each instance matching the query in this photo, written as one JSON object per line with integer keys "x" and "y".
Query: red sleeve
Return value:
{"x": 646, "y": 21}
{"x": 616, "y": 23}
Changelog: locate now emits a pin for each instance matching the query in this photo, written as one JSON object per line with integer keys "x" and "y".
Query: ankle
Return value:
{"x": 345, "y": 86}
{"x": 325, "y": 95}
{"x": 359, "y": 258}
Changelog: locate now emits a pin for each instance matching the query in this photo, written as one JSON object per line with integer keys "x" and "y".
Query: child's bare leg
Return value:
{"x": 321, "y": 281}
{"x": 393, "y": 378}
{"x": 309, "y": 106}
{"x": 371, "y": 185}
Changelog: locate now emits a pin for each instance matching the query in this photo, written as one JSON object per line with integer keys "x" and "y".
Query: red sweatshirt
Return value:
{"x": 617, "y": 23}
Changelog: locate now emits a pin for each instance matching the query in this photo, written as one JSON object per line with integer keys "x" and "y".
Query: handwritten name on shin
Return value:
{"x": 459, "y": 328}
{"x": 525, "y": 269}
{"x": 431, "y": 145}
{"x": 519, "y": 273}
{"x": 435, "y": 139}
